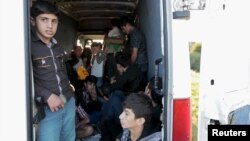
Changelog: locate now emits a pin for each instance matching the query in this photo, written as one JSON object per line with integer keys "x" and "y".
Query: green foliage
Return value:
{"x": 195, "y": 61}
{"x": 195, "y": 47}
{"x": 195, "y": 103}
{"x": 194, "y": 132}
{"x": 195, "y": 55}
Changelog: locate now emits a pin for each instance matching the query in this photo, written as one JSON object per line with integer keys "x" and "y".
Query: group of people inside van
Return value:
{"x": 110, "y": 94}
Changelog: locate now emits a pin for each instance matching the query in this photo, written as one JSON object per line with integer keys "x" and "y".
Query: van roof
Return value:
{"x": 94, "y": 16}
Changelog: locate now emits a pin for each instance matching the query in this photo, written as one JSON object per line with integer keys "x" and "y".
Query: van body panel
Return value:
{"x": 225, "y": 65}
{"x": 148, "y": 20}
{"x": 181, "y": 82}
{"x": 13, "y": 98}
{"x": 181, "y": 60}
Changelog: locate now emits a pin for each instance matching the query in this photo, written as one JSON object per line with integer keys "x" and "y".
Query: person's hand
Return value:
{"x": 55, "y": 102}
{"x": 72, "y": 87}
{"x": 105, "y": 98}
{"x": 112, "y": 80}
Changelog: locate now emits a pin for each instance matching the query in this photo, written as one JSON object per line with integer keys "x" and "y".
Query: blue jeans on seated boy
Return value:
{"x": 95, "y": 117}
{"x": 113, "y": 107}
{"x": 60, "y": 125}
{"x": 110, "y": 123}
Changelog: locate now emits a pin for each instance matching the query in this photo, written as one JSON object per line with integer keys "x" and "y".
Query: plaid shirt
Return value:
{"x": 81, "y": 112}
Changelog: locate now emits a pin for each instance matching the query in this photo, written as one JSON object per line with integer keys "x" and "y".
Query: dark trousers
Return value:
{"x": 110, "y": 124}
{"x": 110, "y": 66}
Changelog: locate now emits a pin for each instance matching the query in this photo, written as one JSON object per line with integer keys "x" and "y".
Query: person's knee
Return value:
{"x": 85, "y": 132}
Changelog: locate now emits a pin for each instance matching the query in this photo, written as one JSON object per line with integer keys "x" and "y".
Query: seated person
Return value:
{"x": 83, "y": 128}
{"x": 153, "y": 90}
{"x": 129, "y": 79}
{"x": 87, "y": 98}
{"x": 135, "y": 119}
{"x": 88, "y": 106}
{"x": 73, "y": 65}
{"x": 98, "y": 61}
{"x": 104, "y": 92}
{"x": 86, "y": 57}
{"x": 110, "y": 124}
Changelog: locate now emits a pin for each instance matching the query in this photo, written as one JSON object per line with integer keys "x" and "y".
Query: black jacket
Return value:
{"x": 49, "y": 70}
{"x": 130, "y": 81}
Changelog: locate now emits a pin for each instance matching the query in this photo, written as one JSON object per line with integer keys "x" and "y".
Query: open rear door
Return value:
{"x": 15, "y": 95}
{"x": 225, "y": 65}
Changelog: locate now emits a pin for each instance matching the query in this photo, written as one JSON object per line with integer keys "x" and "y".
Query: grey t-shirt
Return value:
{"x": 137, "y": 40}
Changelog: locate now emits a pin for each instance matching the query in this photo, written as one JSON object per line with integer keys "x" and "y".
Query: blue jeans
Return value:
{"x": 60, "y": 125}
{"x": 95, "y": 117}
{"x": 110, "y": 124}
{"x": 113, "y": 108}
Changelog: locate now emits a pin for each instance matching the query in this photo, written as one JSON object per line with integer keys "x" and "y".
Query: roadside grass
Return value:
{"x": 195, "y": 103}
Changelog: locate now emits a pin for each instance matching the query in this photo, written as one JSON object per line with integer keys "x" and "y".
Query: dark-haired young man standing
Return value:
{"x": 136, "y": 45}
{"x": 52, "y": 87}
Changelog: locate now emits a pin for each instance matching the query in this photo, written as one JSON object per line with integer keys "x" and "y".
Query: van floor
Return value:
{"x": 95, "y": 137}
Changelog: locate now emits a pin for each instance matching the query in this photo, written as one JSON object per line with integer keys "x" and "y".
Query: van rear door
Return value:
{"x": 15, "y": 95}
{"x": 225, "y": 65}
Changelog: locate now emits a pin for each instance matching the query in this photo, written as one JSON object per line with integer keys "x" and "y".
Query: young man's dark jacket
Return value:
{"x": 130, "y": 81}
{"x": 49, "y": 70}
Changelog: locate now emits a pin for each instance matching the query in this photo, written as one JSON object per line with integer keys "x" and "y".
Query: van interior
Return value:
{"x": 83, "y": 22}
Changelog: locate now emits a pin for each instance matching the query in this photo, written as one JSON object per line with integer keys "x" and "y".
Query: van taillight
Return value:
{"x": 182, "y": 129}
